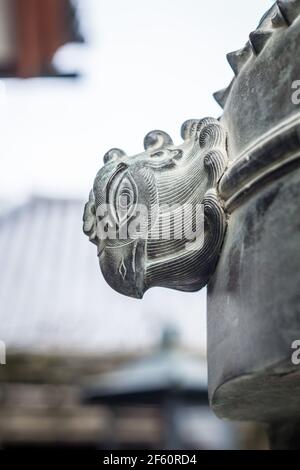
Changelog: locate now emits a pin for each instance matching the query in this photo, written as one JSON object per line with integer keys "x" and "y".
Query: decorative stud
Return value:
{"x": 189, "y": 128}
{"x": 238, "y": 58}
{"x": 156, "y": 140}
{"x": 113, "y": 155}
{"x": 221, "y": 96}
{"x": 290, "y": 9}
{"x": 278, "y": 19}
{"x": 258, "y": 40}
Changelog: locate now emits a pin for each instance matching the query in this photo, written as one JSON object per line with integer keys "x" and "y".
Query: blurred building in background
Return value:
{"x": 172, "y": 381}
{"x": 50, "y": 308}
{"x": 31, "y": 31}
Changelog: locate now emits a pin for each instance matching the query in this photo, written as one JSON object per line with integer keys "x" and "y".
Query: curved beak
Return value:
{"x": 123, "y": 267}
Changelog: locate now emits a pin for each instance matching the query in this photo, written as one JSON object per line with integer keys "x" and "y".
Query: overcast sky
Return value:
{"x": 147, "y": 64}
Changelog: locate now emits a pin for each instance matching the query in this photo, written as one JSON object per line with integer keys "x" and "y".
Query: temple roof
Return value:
{"x": 166, "y": 371}
{"x": 54, "y": 298}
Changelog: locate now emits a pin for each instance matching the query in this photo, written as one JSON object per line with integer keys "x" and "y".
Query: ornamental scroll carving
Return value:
{"x": 156, "y": 217}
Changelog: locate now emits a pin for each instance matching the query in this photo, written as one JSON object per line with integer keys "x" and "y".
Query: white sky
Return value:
{"x": 147, "y": 64}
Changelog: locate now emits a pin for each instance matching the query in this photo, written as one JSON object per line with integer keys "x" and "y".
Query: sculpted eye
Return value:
{"x": 125, "y": 198}
{"x": 122, "y": 197}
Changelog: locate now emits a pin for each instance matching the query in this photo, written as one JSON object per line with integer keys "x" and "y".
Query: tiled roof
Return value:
{"x": 53, "y": 296}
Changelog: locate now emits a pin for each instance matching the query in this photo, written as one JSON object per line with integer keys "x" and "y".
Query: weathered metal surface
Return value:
{"x": 253, "y": 307}
{"x": 253, "y": 297}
